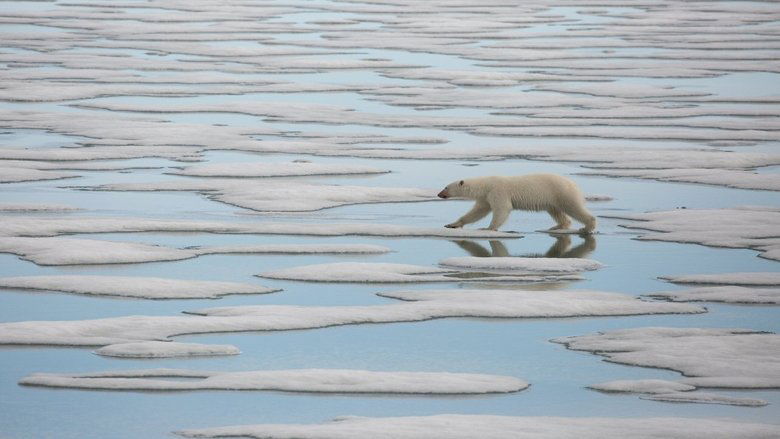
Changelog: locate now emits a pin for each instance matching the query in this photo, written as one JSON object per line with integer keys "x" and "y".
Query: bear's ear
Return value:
{"x": 461, "y": 183}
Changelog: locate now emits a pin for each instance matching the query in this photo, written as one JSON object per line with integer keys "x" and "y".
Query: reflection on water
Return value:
{"x": 561, "y": 248}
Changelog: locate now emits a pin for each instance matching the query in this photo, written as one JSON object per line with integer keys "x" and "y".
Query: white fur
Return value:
{"x": 557, "y": 195}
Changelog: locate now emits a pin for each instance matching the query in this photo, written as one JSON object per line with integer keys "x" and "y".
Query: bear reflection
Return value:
{"x": 560, "y": 249}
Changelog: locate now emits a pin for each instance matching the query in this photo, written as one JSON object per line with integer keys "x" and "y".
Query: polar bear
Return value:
{"x": 557, "y": 195}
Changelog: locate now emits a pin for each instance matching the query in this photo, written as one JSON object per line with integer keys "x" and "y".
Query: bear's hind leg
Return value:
{"x": 581, "y": 214}
{"x": 561, "y": 220}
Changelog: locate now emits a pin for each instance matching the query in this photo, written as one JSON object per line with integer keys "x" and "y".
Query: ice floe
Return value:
{"x": 671, "y": 391}
{"x": 274, "y": 170}
{"x": 463, "y": 269}
{"x": 705, "y": 398}
{"x": 416, "y": 306}
{"x": 764, "y": 279}
{"x": 642, "y": 386}
{"x": 751, "y": 227}
{"x": 495, "y": 427}
{"x": 362, "y": 272}
{"x": 302, "y": 380}
{"x": 16, "y": 175}
{"x": 36, "y": 226}
{"x": 36, "y": 207}
{"x": 76, "y": 251}
{"x": 517, "y": 264}
{"x": 163, "y": 349}
{"x": 726, "y": 294}
{"x": 281, "y": 196}
{"x": 720, "y": 177}
{"x": 138, "y": 287}
{"x": 724, "y": 358}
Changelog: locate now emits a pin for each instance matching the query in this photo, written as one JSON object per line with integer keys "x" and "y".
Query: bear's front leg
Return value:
{"x": 501, "y": 210}
{"x": 479, "y": 211}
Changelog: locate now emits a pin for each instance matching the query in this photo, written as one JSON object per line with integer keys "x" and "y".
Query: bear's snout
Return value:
{"x": 444, "y": 194}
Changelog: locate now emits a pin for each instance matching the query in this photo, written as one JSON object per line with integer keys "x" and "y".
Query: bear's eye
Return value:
{"x": 461, "y": 182}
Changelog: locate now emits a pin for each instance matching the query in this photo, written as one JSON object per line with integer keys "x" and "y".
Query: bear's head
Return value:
{"x": 454, "y": 189}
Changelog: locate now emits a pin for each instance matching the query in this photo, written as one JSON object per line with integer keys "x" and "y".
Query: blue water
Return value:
{"x": 516, "y": 347}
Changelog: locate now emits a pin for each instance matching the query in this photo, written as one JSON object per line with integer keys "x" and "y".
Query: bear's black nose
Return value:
{"x": 442, "y": 194}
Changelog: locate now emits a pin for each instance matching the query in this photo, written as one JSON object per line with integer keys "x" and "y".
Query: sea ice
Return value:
{"x": 720, "y": 177}
{"x": 36, "y": 226}
{"x": 274, "y": 170}
{"x": 518, "y": 264}
{"x": 405, "y": 273}
{"x": 138, "y": 287}
{"x": 163, "y": 349}
{"x": 281, "y": 196}
{"x": 36, "y": 207}
{"x": 76, "y": 251}
{"x": 705, "y": 398}
{"x": 302, "y": 380}
{"x": 642, "y": 386}
{"x": 756, "y": 279}
{"x": 726, "y": 294}
{"x": 671, "y": 391}
{"x": 726, "y": 358}
{"x": 751, "y": 227}
{"x": 417, "y": 306}
{"x": 361, "y": 272}
{"x": 497, "y": 427}
{"x": 10, "y": 174}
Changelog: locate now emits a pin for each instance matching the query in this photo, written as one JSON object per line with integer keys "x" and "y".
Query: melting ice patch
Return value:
{"x": 137, "y": 287}
{"x": 75, "y": 251}
{"x": 706, "y": 398}
{"x": 726, "y": 294}
{"x": 517, "y": 264}
{"x": 671, "y": 391}
{"x": 720, "y": 358}
{"x": 29, "y": 226}
{"x": 36, "y": 207}
{"x": 281, "y": 196}
{"x": 456, "y": 269}
{"x": 417, "y": 306}
{"x": 360, "y": 272}
{"x": 303, "y": 380}
{"x": 764, "y": 279}
{"x": 720, "y": 177}
{"x": 274, "y": 170}
{"x": 17, "y": 175}
{"x": 753, "y": 227}
{"x": 162, "y": 349}
{"x": 642, "y": 386}
{"x": 489, "y": 426}
{"x": 749, "y": 288}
